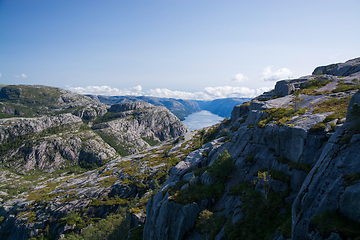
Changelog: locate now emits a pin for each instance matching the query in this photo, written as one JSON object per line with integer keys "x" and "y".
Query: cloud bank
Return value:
{"x": 269, "y": 75}
{"x": 209, "y": 93}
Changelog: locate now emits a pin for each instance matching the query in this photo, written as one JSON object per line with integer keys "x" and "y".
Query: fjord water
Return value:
{"x": 201, "y": 119}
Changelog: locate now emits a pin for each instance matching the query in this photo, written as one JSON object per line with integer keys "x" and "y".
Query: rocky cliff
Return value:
{"x": 292, "y": 173}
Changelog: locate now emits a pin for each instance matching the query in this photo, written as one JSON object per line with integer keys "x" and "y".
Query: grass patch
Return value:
{"x": 120, "y": 148}
{"x": 310, "y": 86}
{"x": 338, "y": 106}
{"x": 151, "y": 141}
{"x": 107, "y": 182}
{"x": 279, "y": 116}
{"x": 345, "y": 87}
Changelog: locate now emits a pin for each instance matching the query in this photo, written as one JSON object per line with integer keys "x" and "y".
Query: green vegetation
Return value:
{"x": 151, "y": 141}
{"x": 107, "y": 173}
{"x": 336, "y": 105}
{"x": 107, "y": 182}
{"x": 295, "y": 165}
{"x": 109, "y": 116}
{"x": 30, "y": 101}
{"x": 109, "y": 202}
{"x": 332, "y": 221}
{"x": 277, "y": 175}
{"x": 249, "y": 158}
{"x": 342, "y": 87}
{"x": 310, "y": 87}
{"x": 211, "y": 134}
{"x": 319, "y": 127}
{"x": 261, "y": 214}
{"x": 279, "y": 116}
{"x": 318, "y": 72}
{"x": 220, "y": 170}
{"x": 120, "y": 148}
{"x": 136, "y": 233}
{"x": 208, "y": 223}
{"x": 351, "y": 178}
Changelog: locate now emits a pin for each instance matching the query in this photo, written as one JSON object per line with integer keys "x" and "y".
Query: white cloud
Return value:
{"x": 239, "y": 78}
{"x": 209, "y": 93}
{"x": 20, "y": 76}
{"x": 269, "y": 75}
{"x": 106, "y": 90}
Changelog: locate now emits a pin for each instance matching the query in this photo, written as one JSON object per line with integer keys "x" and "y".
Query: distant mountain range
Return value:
{"x": 181, "y": 108}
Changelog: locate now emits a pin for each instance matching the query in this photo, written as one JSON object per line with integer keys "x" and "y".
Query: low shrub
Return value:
{"x": 261, "y": 215}
{"x": 208, "y": 223}
{"x": 332, "y": 221}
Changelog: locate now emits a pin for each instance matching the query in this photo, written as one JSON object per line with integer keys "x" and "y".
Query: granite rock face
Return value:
{"x": 340, "y": 69}
{"x": 319, "y": 167}
{"x": 139, "y": 124}
{"x": 328, "y": 186}
{"x": 50, "y": 143}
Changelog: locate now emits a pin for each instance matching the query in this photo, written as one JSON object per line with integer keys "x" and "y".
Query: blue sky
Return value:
{"x": 201, "y": 49}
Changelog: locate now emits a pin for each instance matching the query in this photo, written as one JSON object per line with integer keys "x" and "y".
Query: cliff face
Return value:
{"x": 139, "y": 125}
{"x": 287, "y": 152}
{"x": 50, "y": 143}
{"x": 331, "y": 191}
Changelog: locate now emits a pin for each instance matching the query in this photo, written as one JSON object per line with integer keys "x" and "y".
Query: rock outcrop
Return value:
{"x": 50, "y": 143}
{"x": 332, "y": 185}
{"x": 304, "y": 159}
{"x": 140, "y": 124}
{"x": 351, "y": 67}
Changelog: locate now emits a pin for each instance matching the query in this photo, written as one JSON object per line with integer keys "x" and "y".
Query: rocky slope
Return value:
{"x": 288, "y": 149}
{"x": 56, "y": 142}
{"x": 73, "y": 204}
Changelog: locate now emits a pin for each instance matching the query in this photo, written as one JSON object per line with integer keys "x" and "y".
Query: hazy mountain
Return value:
{"x": 181, "y": 108}
{"x": 223, "y": 106}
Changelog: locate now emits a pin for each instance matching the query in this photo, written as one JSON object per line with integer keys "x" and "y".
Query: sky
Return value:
{"x": 190, "y": 49}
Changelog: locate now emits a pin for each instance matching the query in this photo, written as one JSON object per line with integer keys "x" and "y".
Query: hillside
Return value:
{"x": 284, "y": 166}
{"x": 54, "y": 142}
